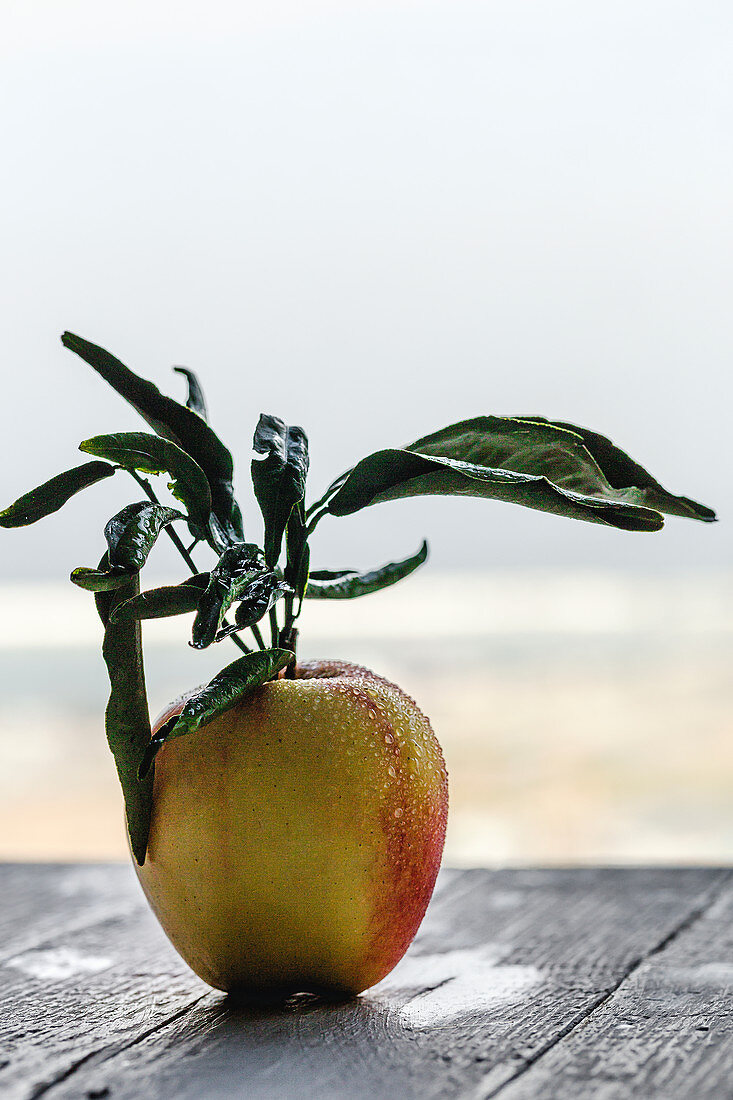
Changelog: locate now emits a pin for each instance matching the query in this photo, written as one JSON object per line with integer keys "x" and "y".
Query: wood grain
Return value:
{"x": 520, "y": 984}
{"x": 666, "y": 1032}
{"x": 84, "y": 968}
{"x": 41, "y": 899}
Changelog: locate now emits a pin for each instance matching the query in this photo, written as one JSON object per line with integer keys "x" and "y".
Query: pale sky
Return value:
{"x": 373, "y": 219}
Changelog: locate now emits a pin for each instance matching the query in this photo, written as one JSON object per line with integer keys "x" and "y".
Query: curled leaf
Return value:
{"x": 236, "y": 569}
{"x": 152, "y": 455}
{"x": 53, "y": 494}
{"x": 177, "y": 423}
{"x": 278, "y": 478}
{"x": 98, "y": 580}
{"x": 256, "y": 599}
{"x": 195, "y": 401}
{"x": 132, "y": 532}
{"x": 347, "y": 584}
{"x": 227, "y": 689}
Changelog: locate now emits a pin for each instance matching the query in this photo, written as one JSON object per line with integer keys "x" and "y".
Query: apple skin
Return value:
{"x": 296, "y": 839}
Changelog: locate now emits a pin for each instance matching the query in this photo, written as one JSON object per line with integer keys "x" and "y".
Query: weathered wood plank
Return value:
{"x": 38, "y": 900}
{"x": 666, "y": 1032}
{"x": 505, "y": 965}
{"x": 86, "y": 971}
{"x": 85, "y": 967}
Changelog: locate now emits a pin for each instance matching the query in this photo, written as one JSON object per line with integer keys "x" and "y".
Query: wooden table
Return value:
{"x": 550, "y": 984}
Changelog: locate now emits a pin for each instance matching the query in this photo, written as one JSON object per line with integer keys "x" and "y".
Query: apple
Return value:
{"x": 295, "y": 840}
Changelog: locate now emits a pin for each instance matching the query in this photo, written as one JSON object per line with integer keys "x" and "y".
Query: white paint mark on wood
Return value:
{"x": 506, "y": 899}
{"x": 85, "y": 882}
{"x": 464, "y": 982}
{"x": 58, "y": 964}
{"x": 716, "y": 976}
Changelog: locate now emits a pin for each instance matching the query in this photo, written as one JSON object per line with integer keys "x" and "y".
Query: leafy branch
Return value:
{"x": 548, "y": 465}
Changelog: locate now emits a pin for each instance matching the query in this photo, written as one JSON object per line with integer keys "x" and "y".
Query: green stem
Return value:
{"x": 330, "y": 492}
{"x": 289, "y": 614}
{"x": 274, "y": 628}
{"x": 316, "y": 517}
{"x": 239, "y": 643}
{"x": 173, "y": 536}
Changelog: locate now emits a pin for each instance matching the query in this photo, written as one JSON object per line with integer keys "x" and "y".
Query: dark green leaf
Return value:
{"x": 53, "y": 494}
{"x": 181, "y": 425}
{"x": 153, "y": 455}
{"x": 391, "y": 475}
{"x": 98, "y": 580}
{"x": 158, "y": 603}
{"x": 195, "y": 401}
{"x": 537, "y": 465}
{"x": 127, "y": 719}
{"x": 279, "y": 477}
{"x": 504, "y": 442}
{"x": 132, "y": 532}
{"x": 622, "y": 472}
{"x": 347, "y": 584}
{"x": 236, "y": 569}
{"x": 298, "y": 552}
{"x": 256, "y": 599}
{"x": 227, "y": 689}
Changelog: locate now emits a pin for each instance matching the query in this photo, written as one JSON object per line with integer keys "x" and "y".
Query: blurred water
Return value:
{"x": 583, "y": 718}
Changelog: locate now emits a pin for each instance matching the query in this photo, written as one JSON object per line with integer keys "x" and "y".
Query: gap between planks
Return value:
{"x": 450, "y": 878}
{"x": 457, "y": 882}
{"x": 696, "y": 913}
{"x": 104, "y": 1053}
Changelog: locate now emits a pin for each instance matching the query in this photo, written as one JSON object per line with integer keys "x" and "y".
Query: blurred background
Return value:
{"x": 374, "y": 219}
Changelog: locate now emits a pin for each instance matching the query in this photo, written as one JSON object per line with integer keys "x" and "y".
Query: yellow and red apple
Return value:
{"x": 295, "y": 840}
